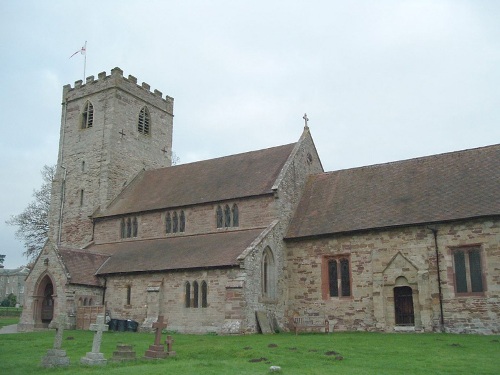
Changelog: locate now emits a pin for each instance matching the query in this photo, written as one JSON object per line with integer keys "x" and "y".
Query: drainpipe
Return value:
{"x": 104, "y": 292}
{"x": 441, "y": 320}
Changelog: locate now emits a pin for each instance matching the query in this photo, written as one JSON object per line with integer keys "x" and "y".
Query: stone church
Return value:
{"x": 412, "y": 245}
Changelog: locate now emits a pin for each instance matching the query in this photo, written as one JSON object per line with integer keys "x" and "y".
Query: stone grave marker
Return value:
{"x": 124, "y": 352}
{"x": 170, "y": 342}
{"x": 56, "y": 356}
{"x": 95, "y": 357}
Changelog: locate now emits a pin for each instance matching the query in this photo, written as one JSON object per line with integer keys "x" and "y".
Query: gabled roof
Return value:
{"x": 446, "y": 187}
{"x": 236, "y": 176}
{"x": 82, "y": 265}
{"x": 183, "y": 252}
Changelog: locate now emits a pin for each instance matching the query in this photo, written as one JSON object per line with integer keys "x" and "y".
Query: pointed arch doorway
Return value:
{"x": 44, "y": 311}
{"x": 403, "y": 305}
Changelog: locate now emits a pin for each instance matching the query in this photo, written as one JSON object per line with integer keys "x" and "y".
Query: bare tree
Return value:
{"x": 33, "y": 222}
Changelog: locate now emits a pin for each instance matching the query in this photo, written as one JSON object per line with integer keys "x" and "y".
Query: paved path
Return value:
{"x": 9, "y": 329}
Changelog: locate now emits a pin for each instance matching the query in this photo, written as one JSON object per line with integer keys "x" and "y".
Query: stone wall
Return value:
{"x": 164, "y": 294}
{"x": 253, "y": 213}
{"x": 379, "y": 260}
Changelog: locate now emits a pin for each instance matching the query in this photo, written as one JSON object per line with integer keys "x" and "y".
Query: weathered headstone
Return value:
{"x": 95, "y": 357}
{"x": 56, "y": 356}
{"x": 264, "y": 323}
{"x": 157, "y": 350}
{"x": 123, "y": 352}
{"x": 170, "y": 342}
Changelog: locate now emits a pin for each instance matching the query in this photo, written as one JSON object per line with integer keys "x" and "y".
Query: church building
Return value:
{"x": 219, "y": 245}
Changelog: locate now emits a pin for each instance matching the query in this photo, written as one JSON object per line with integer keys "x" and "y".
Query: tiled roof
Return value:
{"x": 174, "y": 253}
{"x": 457, "y": 185}
{"x": 82, "y": 265}
{"x": 242, "y": 175}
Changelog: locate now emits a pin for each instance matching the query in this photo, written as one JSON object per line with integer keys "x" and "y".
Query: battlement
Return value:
{"x": 116, "y": 80}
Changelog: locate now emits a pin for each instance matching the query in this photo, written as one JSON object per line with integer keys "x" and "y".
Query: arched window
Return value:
{"x": 339, "y": 279}
{"x": 168, "y": 223}
{"x": 182, "y": 225}
{"x": 90, "y": 301}
{"x": 80, "y": 301}
{"x": 268, "y": 274}
{"x": 134, "y": 227}
{"x": 204, "y": 294}
{"x": 85, "y": 301}
{"x": 123, "y": 228}
{"x": 227, "y": 216}
{"x": 143, "y": 124}
{"x": 129, "y": 227}
{"x": 176, "y": 223}
{"x": 87, "y": 116}
{"x": 236, "y": 219}
{"x": 195, "y": 294}
{"x": 219, "y": 217}
{"x": 187, "y": 294}
{"x": 129, "y": 294}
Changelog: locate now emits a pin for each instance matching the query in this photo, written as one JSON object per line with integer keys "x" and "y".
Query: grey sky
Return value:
{"x": 379, "y": 80}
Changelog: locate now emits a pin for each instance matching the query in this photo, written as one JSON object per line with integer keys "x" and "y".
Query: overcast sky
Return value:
{"x": 380, "y": 80}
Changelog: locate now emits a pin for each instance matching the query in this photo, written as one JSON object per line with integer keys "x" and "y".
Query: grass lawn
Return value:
{"x": 7, "y": 321}
{"x": 338, "y": 353}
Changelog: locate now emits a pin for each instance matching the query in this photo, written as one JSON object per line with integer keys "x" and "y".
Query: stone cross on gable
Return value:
{"x": 306, "y": 120}
{"x": 59, "y": 324}
{"x": 98, "y": 327}
{"x": 159, "y": 325}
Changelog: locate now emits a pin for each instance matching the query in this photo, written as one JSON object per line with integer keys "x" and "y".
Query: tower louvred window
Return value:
{"x": 88, "y": 116}
{"x": 143, "y": 125}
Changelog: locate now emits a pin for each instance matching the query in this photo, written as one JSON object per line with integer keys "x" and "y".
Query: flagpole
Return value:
{"x": 85, "y": 61}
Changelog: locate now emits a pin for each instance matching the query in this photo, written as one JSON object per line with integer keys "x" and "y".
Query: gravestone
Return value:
{"x": 95, "y": 357}
{"x": 56, "y": 356}
{"x": 170, "y": 342}
{"x": 123, "y": 352}
{"x": 264, "y": 323}
{"x": 157, "y": 350}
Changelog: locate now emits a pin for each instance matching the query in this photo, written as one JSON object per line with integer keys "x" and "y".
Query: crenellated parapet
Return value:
{"x": 116, "y": 80}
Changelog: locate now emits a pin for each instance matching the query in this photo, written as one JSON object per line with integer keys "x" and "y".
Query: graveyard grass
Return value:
{"x": 338, "y": 353}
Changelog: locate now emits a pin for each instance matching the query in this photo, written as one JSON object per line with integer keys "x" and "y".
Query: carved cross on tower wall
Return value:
{"x": 164, "y": 150}
{"x": 122, "y": 133}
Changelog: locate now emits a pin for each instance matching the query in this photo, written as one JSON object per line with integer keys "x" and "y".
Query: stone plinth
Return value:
{"x": 93, "y": 359}
{"x": 156, "y": 352}
{"x": 55, "y": 358}
{"x": 123, "y": 353}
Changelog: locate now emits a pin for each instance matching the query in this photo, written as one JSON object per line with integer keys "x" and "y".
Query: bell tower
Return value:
{"x": 111, "y": 129}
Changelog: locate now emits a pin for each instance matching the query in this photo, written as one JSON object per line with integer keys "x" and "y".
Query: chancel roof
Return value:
{"x": 445, "y": 187}
{"x": 82, "y": 265}
{"x": 241, "y": 175}
{"x": 219, "y": 249}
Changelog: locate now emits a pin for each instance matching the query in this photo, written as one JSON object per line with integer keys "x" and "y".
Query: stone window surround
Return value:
{"x": 175, "y": 222}
{"x": 227, "y": 216}
{"x": 467, "y": 249}
{"x": 87, "y": 116}
{"x": 144, "y": 121}
{"x": 325, "y": 277}
{"x": 196, "y": 294}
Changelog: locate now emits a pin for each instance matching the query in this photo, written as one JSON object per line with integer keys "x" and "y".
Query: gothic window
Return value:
{"x": 168, "y": 223}
{"x": 143, "y": 124}
{"x": 195, "y": 294}
{"x": 339, "y": 277}
{"x": 129, "y": 294}
{"x": 123, "y": 230}
{"x": 134, "y": 227}
{"x": 268, "y": 274}
{"x": 176, "y": 223}
{"x": 204, "y": 294}
{"x": 219, "y": 217}
{"x": 129, "y": 227}
{"x": 468, "y": 273}
{"x": 187, "y": 297}
{"x": 182, "y": 224}
{"x": 87, "y": 116}
{"x": 236, "y": 219}
{"x": 227, "y": 216}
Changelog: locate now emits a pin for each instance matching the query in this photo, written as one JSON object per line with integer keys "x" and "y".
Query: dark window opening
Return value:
{"x": 195, "y": 294}
{"x": 204, "y": 294}
{"x": 219, "y": 217}
{"x": 339, "y": 278}
{"x": 236, "y": 219}
{"x": 129, "y": 294}
{"x": 188, "y": 294}
{"x": 87, "y": 116}
{"x": 168, "y": 223}
{"x": 468, "y": 270}
{"x": 144, "y": 121}
{"x": 182, "y": 224}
